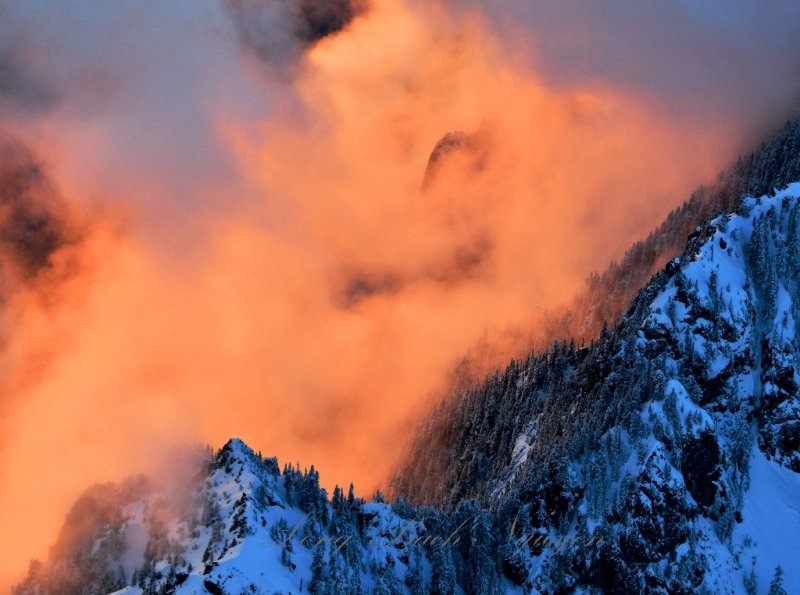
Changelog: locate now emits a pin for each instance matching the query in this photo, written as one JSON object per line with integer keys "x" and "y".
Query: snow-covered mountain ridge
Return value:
{"x": 662, "y": 458}
{"x": 243, "y": 526}
{"x": 651, "y": 434}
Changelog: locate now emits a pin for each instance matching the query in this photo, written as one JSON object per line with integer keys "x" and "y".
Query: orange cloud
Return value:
{"x": 309, "y": 296}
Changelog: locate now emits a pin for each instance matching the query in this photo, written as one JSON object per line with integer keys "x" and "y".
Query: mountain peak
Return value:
{"x": 236, "y": 448}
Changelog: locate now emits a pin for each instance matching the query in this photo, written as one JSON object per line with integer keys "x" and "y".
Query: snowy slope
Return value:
{"x": 772, "y": 521}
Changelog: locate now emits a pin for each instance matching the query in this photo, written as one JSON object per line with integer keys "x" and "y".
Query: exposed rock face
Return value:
{"x": 472, "y": 146}
{"x": 700, "y": 468}
{"x": 279, "y": 31}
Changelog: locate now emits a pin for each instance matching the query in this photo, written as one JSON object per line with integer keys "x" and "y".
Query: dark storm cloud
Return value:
{"x": 277, "y": 31}
{"x": 19, "y": 88}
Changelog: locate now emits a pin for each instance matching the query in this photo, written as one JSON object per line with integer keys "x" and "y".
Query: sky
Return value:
{"x": 247, "y": 238}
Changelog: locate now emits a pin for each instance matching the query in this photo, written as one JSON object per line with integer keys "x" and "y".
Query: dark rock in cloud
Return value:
{"x": 32, "y": 225}
{"x": 467, "y": 262}
{"x": 278, "y": 31}
{"x": 361, "y": 286}
{"x": 463, "y": 264}
{"x": 472, "y": 145}
{"x": 321, "y": 18}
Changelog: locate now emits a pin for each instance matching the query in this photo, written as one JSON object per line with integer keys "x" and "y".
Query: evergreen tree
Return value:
{"x": 482, "y": 573}
{"x": 354, "y": 583}
{"x": 415, "y": 580}
{"x": 776, "y": 585}
{"x": 318, "y": 584}
{"x": 443, "y": 571}
{"x": 312, "y": 532}
{"x": 750, "y": 581}
{"x": 338, "y": 575}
